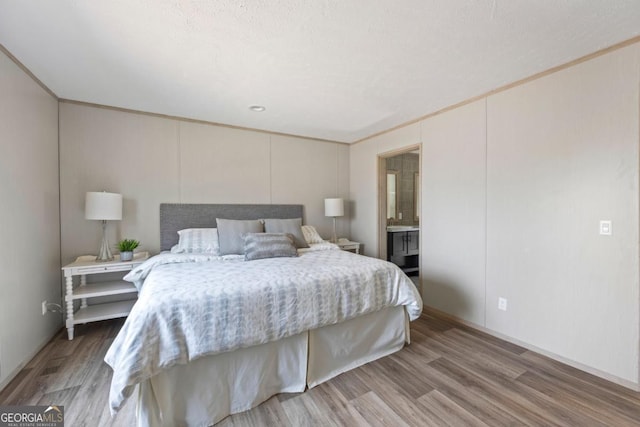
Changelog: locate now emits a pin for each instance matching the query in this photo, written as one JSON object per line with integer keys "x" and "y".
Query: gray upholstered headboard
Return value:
{"x": 176, "y": 216}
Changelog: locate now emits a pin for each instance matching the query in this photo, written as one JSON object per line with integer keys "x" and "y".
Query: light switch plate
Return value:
{"x": 606, "y": 228}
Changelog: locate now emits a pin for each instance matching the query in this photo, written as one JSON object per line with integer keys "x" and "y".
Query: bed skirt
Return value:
{"x": 208, "y": 389}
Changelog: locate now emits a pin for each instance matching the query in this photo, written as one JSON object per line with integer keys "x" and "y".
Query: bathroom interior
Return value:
{"x": 403, "y": 208}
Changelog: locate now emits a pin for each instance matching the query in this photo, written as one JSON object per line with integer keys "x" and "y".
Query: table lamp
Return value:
{"x": 334, "y": 208}
{"x": 103, "y": 206}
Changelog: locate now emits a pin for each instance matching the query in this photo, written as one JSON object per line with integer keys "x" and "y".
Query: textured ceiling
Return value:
{"x": 331, "y": 69}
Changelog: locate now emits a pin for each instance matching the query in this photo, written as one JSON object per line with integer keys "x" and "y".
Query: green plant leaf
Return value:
{"x": 128, "y": 245}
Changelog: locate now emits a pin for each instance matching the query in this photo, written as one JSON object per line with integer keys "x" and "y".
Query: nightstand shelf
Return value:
{"x": 83, "y": 267}
{"x": 111, "y": 310}
{"x": 103, "y": 289}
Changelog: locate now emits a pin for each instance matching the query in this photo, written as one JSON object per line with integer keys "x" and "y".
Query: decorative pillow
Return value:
{"x": 311, "y": 235}
{"x": 268, "y": 245}
{"x": 197, "y": 240}
{"x": 230, "y": 233}
{"x": 290, "y": 226}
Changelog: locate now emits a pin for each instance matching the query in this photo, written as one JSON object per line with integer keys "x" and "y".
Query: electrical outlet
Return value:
{"x": 606, "y": 228}
{"x": 502, "y": 304}
{"x": 44, "y": 307}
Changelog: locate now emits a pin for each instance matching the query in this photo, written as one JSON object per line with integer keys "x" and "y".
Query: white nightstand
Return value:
{"x": 92, "y": 313}
{"x": 347, "y": 245}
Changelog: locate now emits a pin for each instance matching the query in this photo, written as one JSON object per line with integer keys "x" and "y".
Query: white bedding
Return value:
{"x": 192, "y": 306}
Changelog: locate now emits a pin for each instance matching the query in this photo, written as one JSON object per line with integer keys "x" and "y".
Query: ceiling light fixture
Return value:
{"x": 257, "y": 108}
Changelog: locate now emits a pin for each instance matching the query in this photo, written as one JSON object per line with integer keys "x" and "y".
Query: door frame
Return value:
{"x": 382, "y": 196}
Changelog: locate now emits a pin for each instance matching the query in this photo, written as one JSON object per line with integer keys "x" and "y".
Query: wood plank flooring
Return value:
{"x": 449, "y": 376}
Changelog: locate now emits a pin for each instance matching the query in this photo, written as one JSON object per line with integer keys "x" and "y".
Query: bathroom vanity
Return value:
{"x": 403, "y": 247}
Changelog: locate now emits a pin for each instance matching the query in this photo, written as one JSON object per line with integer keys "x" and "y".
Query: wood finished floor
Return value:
{"x": 449, "y": 376}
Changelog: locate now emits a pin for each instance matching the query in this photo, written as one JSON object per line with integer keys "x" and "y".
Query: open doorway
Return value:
{"x": 399, "y": 208}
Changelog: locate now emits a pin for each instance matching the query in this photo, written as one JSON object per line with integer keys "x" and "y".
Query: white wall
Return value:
{"x": 513, "y": 188}
{"x": 30, "y": 233}
{"x": 152, "y": 160}
{"x": 131, "y": 154}
{"x": 563, "y": 155}
{"x": 453, "y": 211}
{"x": 307, "y": 172}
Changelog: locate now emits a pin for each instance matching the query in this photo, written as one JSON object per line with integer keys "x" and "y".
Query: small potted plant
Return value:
{"x": 126, "y": 247}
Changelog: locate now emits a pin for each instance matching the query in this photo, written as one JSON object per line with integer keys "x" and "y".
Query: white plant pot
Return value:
{"x": 126, "y": 256}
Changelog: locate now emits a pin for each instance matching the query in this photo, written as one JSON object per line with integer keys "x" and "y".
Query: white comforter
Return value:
{"x": 192, "y": 306}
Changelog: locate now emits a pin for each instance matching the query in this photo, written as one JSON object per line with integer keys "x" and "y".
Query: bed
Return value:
{"x": 215, "y": 335}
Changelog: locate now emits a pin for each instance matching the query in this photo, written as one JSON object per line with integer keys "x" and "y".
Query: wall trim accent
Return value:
{"x": 508, "y": 86}
{"x": 588, "y": 369}
{"x": 27, "y": 72}
{"x": 188, "y": 120}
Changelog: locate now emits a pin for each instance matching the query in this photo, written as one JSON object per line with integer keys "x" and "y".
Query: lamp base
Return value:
{"x": 105, "y": 253}
{"x": 334, "y": 236}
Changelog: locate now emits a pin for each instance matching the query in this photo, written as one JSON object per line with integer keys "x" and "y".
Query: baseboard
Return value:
{"x": 588, "y": 369}
{"x": 26, "y": 360}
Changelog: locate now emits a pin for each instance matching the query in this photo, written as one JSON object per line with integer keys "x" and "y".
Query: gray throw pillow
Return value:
{"x": 230, "y": 233}
{"x": 268, "y": 245}
{"x": 291, "y": 226}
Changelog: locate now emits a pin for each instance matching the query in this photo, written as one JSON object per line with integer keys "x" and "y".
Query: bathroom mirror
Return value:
{"x": 416, "y": 195}
{"x": 392, "y": 194}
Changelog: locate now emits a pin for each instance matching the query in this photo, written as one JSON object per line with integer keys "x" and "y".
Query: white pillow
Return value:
{"x": 197, "y": 240}
{"x": 311, "y": 235}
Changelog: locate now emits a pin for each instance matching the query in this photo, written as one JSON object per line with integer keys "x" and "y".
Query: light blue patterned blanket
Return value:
{"x": 192, "y": 306}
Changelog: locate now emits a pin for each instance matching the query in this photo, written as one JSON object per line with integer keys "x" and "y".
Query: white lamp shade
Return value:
{"x": 103, "y": 206}
{"x": 333, "y": 207}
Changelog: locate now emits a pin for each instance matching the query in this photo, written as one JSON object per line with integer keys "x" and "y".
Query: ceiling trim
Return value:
{"x": 27, "y": 71}
{"x": 509, "y": 86}
{"x": 186, "y": 119}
